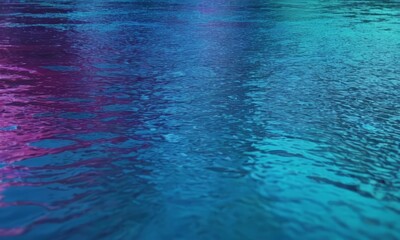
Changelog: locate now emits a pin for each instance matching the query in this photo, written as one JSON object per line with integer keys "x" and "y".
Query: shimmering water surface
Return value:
{"x": 200, "y": 119}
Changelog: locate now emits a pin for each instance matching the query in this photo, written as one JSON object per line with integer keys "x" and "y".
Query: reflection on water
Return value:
{"x": 199, "y": 120}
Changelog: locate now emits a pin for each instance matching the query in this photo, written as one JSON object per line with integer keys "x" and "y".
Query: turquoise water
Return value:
{"x": 199, "y": 119}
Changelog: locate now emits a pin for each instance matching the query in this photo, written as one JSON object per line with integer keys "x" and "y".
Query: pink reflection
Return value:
{"x": 16, "y": 113}
{"x": 11, "y": 231}
{"x": 33, "y": 90}
{"x": 26, "y": 89}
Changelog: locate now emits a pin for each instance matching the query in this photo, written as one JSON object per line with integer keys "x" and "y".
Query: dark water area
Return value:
{"x": 200, "y": 119}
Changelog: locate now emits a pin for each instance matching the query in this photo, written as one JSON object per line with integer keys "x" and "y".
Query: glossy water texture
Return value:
{"x": 200, "y": 119}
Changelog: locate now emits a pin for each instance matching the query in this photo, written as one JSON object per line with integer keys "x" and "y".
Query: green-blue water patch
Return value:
{"x": 95, "y": 136}
{"x": 77, "y": 115}
{"x": 52, "y": 143}
{"x": 59, "y": 68}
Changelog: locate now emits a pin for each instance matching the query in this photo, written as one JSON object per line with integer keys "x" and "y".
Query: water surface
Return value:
{"x": 200, "y": 120}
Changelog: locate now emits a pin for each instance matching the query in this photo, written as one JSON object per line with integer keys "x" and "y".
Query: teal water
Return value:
{"x": 200, "y": 120}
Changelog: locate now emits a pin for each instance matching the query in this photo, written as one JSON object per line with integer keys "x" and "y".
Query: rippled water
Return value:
{"x": 200, "y": 119}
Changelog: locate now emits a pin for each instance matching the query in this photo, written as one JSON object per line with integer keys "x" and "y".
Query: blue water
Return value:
{"x": 200, "y": 119}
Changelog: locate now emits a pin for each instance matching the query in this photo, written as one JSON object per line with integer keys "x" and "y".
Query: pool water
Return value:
{"x": 200, "y": 119}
